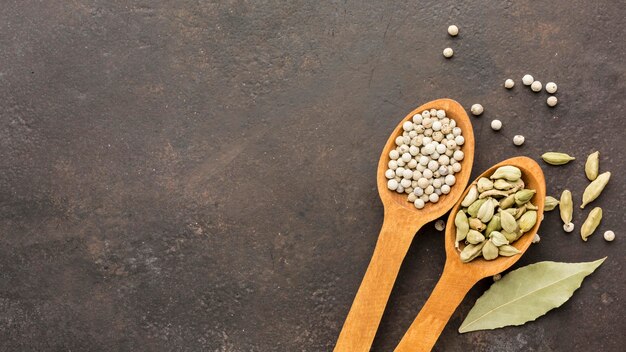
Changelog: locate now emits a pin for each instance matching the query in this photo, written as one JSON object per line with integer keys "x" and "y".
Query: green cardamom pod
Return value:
{"x": 507, "y": 250}
{"x": 494, "y": 224}
{"x": 507, "y": 202}
{"x": 471, "y": 197}
{"x": 462, "y": 227}
{"x": 554, "y": 158}
{"x": 493, "y": 193}
{"x": 508, "y": 222}
{"x": 471, "y": 251}
{"x": 520, "y": 211}
{"x": 498, "y": 238}
{"x": 475, "y": 237}
{"x": 531, "y": 206}
{"x": 503, "y": 185}
{"x": 472, "y": 210}
{"x": 527, "y": 221}
{"x": 594, "y": 189}
{"x": 484, "y": 184}
{"x": 510, "y": 173}
{"x": 550, "y": 203}
{"x": 476, "y": 224}
{"x": 510, "y": 236}
{"x": 523, "y": 196}
{"x": 485, "y": 212}
{"x": 592, "y": 222}
{"x": 490, "y": 250}
{"x": 592, "y": 166}
{"x": 566, "y": 206}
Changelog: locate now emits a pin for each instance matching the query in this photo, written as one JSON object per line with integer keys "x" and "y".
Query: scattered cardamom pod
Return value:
{"x": 508, "y": 222}
{"x": 592, "y": 222}
{"x": 523, "y": 196}
{"x": 472, "y": 210}
{"x": 476, "y": 224}
{"x": 566, "y": 206}
{"x": 493, "y": 225}
{"x": 484, "y": 184}
{"x": 462, "y": 227}
{"x": 485, "y": 212}
{"x": 550, "y": 203}
{"x": 498, "y": 239}
{"x": 490, "y": 250}
{"x": 471, "y": 251}
{"x": 507, "y": 250}
{"x": 471, "y": 197}
{"x": 594, "y": 189}
{"x": 475, "y": 237}
{"x": 507, "y": 202}
{"x": 527, "y": 221}
{"x": 592, "y": 166}
{"x": 510, "y": 173}
{"x": 554, "y": 158}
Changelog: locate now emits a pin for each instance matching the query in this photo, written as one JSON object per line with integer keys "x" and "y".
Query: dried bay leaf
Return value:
{"x": 526, "y": 294}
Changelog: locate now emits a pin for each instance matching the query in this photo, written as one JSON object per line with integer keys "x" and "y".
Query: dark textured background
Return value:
{"x": 194, "y": 175}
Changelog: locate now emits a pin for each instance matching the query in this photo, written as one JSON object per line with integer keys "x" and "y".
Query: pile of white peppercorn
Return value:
{"x": 426, "y": 157}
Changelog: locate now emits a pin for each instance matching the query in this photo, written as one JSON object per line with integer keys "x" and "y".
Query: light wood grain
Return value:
{"x": 458, "y": 277}
{"x": 401, "y": 222}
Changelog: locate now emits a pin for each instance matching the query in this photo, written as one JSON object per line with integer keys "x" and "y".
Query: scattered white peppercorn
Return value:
{"x": 476, "y": 109}
{"x": 527, "y": 80}
{"x": 552, "y": 101}
{"x": 440, "y": 225}
{"x": 569, "y": 227}
{"x": 551, "y": 87}
{"x": 536, "y": 239}
{"x": 518, "y": 140}
{"x": 609, "y": 236}
{"x": 509, "y": 83}
{"x": 536, "y": 86}
{"x": 496, "y": 125}
{"x": 497, "y": 277}
{"x": 453, "y": 30}
{"x": 448, "y": 52}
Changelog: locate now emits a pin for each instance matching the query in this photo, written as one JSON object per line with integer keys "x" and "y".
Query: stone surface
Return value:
{"x": 192, "y": 175}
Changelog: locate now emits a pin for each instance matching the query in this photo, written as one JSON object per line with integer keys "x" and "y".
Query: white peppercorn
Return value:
{"x": 390, "y": 174}
{"x": 448, "y": 52}
{"x": 456, "y": 167}
{"x": 429, "y": 190}
{"x": 427, "y": 174}
{"x": 536, "y": 86}
{"x": 392, "y": 185}
{"x": 433, "y": 197}
{"x": 509, "y": 83}
{"x": 609, "y": 236}
{"x": 400, "y": 189}
{"x": 392, "y": 164}
{"x": 552, "y": 101}
{"x": 518, "y": 140}
{"x": 527, "y": 80}
{"x": 393, "y": 155}
{"x": 419, "y": 204}
{"x": 459, "y": 140}
{"x": 419, "y": 191}
{"x": 412, "y": 197}
{"x": 406, "y": 183}
{"x": 496, "y": 125}
{"x": 406, "y": 157}
{"x": 551, "y": 87}
{"x": 476, "y": 109}
{"x": 450, "y": 180}
{"x": 407, "y": 173}
{"x": 441, "y": 114}
{"x": 569, "y": 227}
{"x": 400, "y": 162}
{"x": 453, "y": 30}
{"x": 445, "y": 189}
{"x": 412, "y": 164}
{"x": 458, "y": 155}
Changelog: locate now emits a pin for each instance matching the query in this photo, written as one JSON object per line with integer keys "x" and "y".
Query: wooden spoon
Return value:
{"x": 401, "y": 222}
{"x": 458, "y": 277}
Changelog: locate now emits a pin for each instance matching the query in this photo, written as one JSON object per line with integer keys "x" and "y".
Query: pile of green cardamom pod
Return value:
{"x": 495, "y": 213}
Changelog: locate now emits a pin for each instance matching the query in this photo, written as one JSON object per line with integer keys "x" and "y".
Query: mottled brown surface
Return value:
{"x": 193, "y": 175}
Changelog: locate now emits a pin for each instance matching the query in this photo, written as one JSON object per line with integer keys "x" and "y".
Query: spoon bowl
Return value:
{"x": 458, "y": 277}
{"x": 401, "y": 222}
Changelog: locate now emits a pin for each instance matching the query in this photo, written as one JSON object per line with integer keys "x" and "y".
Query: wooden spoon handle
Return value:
{"x": 369, "y": 304}
{"x": 443, "y": 301}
